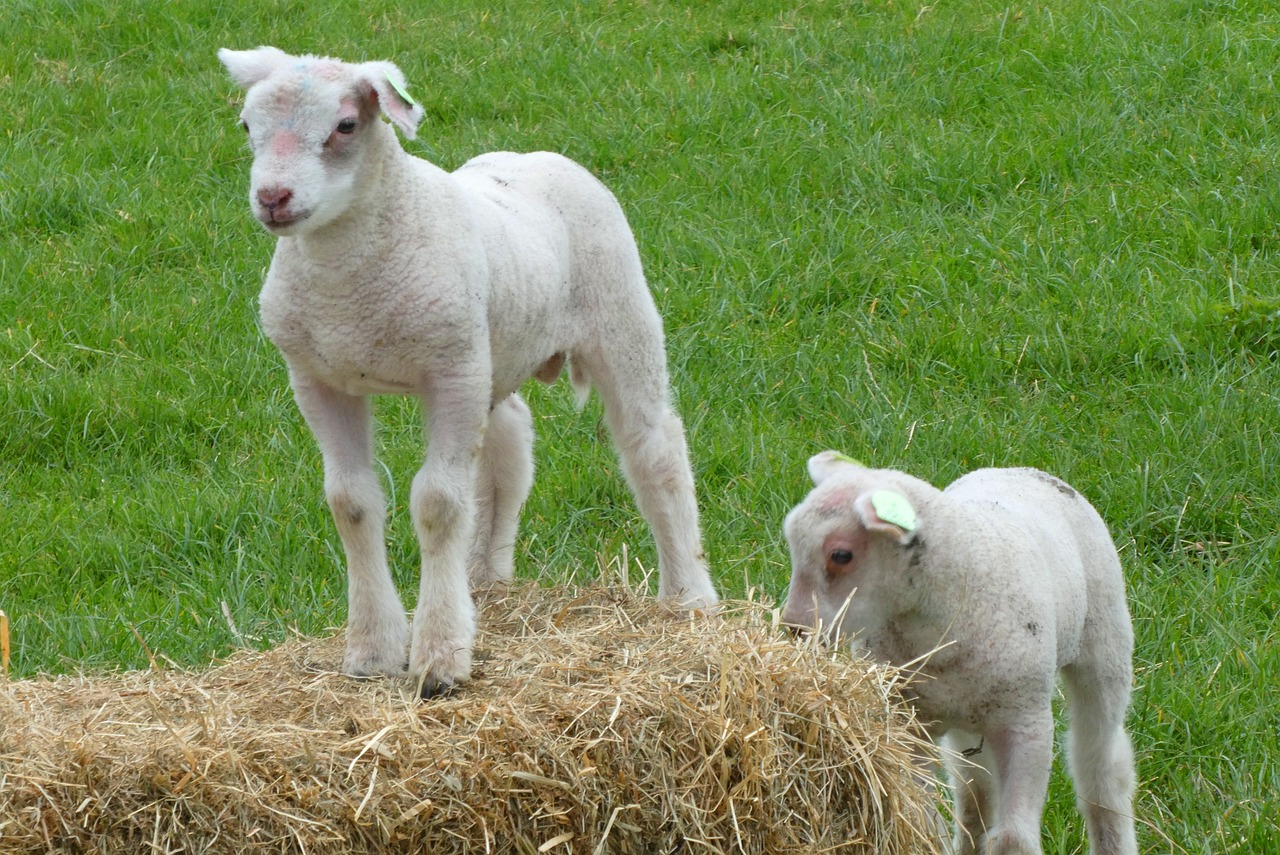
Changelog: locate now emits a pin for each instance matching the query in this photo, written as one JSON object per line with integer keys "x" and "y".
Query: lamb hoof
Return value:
{"x": 377, "y": 649}
{"x": 704, "y": 601}
{"x": 434, "y": 687}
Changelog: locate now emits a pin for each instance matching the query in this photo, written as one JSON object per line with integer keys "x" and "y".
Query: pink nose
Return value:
{"x": 274, "y": 197}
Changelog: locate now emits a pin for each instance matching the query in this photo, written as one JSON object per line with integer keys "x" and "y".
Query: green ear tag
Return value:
{"x": 894, "y": 508}
{"x": 844, "y": 458}
{"x": 405, "y": 96}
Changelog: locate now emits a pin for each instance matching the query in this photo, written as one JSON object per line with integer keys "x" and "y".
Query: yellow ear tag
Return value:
{"x": 894, "y": 508}
{"x": 844, "y": 458}
{"x": 404, "y": 96}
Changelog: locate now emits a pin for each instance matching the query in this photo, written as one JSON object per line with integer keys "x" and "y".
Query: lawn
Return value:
{"x": 936, "y": 237}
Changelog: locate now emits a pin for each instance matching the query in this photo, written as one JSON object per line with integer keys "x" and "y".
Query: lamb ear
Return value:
{"x": 823, "y": 466}
{"x": 888, "y": 513}
{"x": 248, "y": 67}
{"x": 394, "y": 99}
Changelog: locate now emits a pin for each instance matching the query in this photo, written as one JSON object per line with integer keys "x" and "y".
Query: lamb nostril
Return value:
{"x": 274, "y": 198}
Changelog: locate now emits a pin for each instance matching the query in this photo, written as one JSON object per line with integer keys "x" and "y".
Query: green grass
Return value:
{"x": 936, "y": 237}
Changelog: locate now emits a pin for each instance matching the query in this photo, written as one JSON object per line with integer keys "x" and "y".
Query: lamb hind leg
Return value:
{"x": 651, "y": 446}
{"x": 1022, "y": 755}
{"x": 625, "y": 359}
{"x": 1101, "y": 757}
{"x": 377, "y": 630}
{"x": 505, "y": 478}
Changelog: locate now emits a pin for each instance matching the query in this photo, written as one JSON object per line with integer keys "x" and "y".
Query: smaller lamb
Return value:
{"x": 989, "y": 588}
{"x": 392, "y": 276}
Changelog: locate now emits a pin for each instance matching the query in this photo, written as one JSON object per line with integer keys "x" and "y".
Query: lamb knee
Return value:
{"x": 656, "y": 455}
{"x": 353, "y": 502}
{"x": 438, "y": 510}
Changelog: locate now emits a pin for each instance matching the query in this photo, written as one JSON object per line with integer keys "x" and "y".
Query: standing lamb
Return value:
{"x": 989, "y": 588}
{"x": 393, "y": 276}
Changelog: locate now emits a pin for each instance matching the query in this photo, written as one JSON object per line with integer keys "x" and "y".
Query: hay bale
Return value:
{"x": 597, "y": 721}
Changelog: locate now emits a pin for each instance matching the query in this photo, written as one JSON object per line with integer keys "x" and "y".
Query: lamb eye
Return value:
{"x": 841, "y": 557}
{"x": 244, "y": 126}
{"x": 347, "y": 126}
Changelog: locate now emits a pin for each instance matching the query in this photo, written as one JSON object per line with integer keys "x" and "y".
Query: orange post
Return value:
{"x": 4, "y": 643}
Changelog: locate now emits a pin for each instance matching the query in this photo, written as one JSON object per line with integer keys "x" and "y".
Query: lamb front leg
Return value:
{"x": 974, "y": 789}
{"x": 377, "y": 629}
{"x": 443, "y": 503}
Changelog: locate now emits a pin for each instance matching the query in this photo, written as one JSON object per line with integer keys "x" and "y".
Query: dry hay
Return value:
{"x": 597, "y": 721}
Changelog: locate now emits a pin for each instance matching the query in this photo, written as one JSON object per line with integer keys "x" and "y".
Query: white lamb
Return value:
{"x": 393, "y": 276}
{"x": 990, "y": 588}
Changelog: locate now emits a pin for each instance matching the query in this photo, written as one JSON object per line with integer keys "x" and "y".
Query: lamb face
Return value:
{"x": 851, "y": 544}
{"x": 309, "y": 122}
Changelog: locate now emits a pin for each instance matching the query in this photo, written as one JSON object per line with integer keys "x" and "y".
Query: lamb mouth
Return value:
{"x": 274, "y": 221}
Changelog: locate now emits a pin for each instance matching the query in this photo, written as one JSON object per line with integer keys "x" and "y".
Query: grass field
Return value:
{"x": 936, "y": 237}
